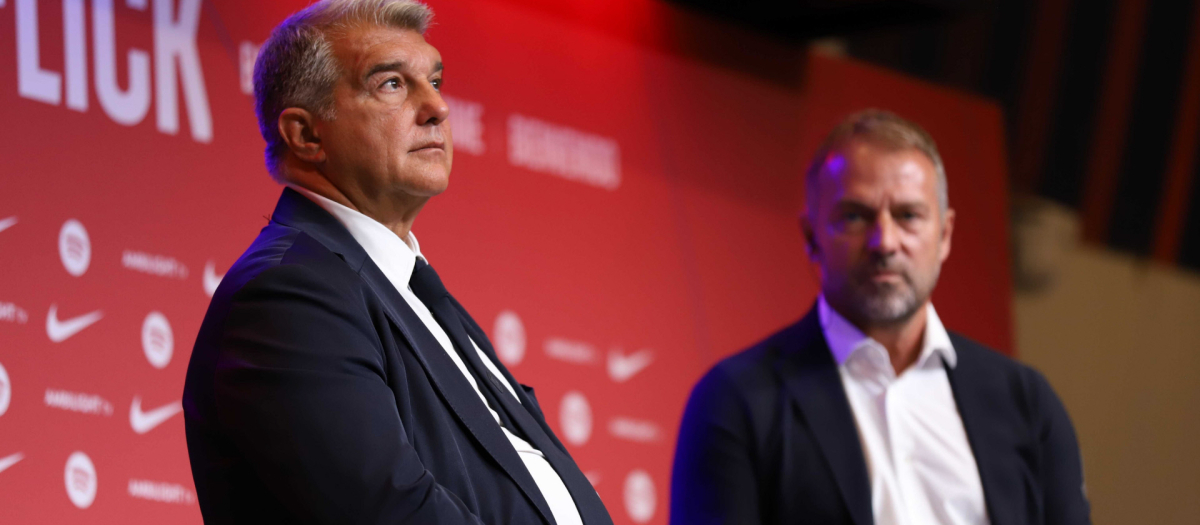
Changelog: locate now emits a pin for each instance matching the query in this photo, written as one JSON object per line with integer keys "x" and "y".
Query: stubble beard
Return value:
{"x": 884, "y": 304}
{"x": 888, "y": 303}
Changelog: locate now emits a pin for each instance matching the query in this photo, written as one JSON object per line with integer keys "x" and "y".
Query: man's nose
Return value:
{"x": 431, "y": 108}
{"x": 884, "y": 238}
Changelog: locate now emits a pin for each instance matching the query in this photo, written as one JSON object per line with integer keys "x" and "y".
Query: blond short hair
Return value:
{"x": 882, "y": 128}
{"x": 296, "y": 66}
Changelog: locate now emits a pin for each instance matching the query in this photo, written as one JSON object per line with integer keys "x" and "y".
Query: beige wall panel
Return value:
{"x": 1120, "y": 341}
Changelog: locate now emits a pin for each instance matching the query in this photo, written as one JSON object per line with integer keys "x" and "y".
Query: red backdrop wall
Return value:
{"x": 620, "y": 216}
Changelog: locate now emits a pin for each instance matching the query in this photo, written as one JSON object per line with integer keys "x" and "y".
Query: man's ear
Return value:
{"x": 947, "y": 233}
{"x": 298, "y": 128}
{"x": 810, "y": 240}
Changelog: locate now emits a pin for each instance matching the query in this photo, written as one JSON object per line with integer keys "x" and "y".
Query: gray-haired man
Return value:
{"x": 334, "y": 379}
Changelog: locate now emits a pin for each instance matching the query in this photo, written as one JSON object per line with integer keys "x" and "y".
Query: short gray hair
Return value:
{"x": 296, "y": 66}
{"x": 881, "y": 128}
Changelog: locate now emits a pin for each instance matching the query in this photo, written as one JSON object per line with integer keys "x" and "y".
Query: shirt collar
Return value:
{"x": 394, "y": 257}
{"x": 845, "y": 339}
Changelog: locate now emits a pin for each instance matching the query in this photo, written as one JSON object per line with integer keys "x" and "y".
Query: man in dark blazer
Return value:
{"x": 334, "y": 379}
{"x": 868, "y": 411}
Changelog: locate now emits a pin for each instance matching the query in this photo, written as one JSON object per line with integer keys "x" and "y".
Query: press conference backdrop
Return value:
{"x": 619, "y": 217}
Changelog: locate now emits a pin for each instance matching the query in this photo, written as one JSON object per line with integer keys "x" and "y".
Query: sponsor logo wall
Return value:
{"x": 619, "y": 218}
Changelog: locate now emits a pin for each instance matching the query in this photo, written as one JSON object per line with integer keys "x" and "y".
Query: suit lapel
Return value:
{"x": 297, "y": 211}
{"x": 477, "y": 334}
{"x": 810, "y": 376}
{"x": 454, "y": 388}
{"x": 971, "y": 406}
{"x": 586, "y": 499}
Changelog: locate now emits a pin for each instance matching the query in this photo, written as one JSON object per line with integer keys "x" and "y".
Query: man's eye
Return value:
{"x": 437, "y": 84}
{"x": 852, "y": 216}
{"x": 391, "y": 83}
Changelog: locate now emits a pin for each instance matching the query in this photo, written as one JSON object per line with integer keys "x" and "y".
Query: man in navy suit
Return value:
{"x": 334, "y": 378}
{"x": 868, "y": 411}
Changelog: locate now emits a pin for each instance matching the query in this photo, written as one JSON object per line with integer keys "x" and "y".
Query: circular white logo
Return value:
{"x": 157, "y": 340}
{"x": 5, "y": 390}
{"x": 74, "y": 247}
{"x": 80, "y": 477}
{"x": 510, "y": 337}
{"x": 575, "y": 418}
{"x": 640, "y": 499}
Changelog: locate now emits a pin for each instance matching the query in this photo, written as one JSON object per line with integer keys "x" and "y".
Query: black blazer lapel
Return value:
{"x": 972, "y": 408}
{"x": 480, "y": 337}
{"x": 810, "y": 375}
{"x": 297, "y": 211}
{"x": 587, "y": 500}
{"x": 454, "y": 388}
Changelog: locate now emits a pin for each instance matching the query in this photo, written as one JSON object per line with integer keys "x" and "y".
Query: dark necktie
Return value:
{"x": 427, "y": 286}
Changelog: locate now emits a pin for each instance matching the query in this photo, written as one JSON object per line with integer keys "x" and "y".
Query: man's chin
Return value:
{"x": 888, "y": 308}
{"x": 426, "y": 183}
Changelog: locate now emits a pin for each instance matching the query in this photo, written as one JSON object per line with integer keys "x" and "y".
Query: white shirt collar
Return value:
{"x": 845, "y": 339}
{"x": 387, "y": 250}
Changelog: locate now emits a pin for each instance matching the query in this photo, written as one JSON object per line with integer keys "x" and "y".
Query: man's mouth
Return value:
{"x": 885, "y": 276}
{"x": 430, "y": 146}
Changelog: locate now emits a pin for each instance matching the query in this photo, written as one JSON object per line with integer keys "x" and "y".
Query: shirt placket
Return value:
{"x": 891, "y": 424}
{"x": 904, "y": 453}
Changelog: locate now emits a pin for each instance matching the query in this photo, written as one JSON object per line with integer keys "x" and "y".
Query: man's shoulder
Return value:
{"x": 756, "y": 367}
{"x": 279, "y": 254}
{"x": 767, "y": 349}
{"x": 973, "y": 350}
{"x": 982, "y": 356}
{"x": 981, "y": 367}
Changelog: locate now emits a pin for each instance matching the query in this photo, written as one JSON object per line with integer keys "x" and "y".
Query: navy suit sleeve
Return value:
{"x": 713, "y": 479}
{"x": 1062, "y": 472}
{"x": 300, "y": 389}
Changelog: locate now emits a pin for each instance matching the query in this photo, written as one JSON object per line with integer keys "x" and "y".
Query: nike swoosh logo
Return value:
{"x": 211, "y": 279}
{"x": 621, "y": 367}
{"x": 60, "y": 331}
{"x": 143, "y": 422}
{"x": 7, "y": 223}
{"x": 10, "y": 460}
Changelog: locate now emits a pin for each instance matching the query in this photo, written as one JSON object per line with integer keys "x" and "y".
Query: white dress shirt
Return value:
{"x": 396, "y": 259}
{"x": 921, "y": 467}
